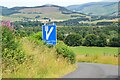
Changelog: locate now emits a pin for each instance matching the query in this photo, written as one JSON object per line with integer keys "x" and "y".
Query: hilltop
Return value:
{"x": 96, "y": 8}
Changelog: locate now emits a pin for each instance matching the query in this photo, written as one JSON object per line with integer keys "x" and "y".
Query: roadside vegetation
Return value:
{"x": 25, "y": 55}
{"x": 80, "y": 38}
{"x": 29, "y": 57}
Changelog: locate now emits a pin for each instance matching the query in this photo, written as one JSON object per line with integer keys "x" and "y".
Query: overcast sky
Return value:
{"x": 13, "y": 3}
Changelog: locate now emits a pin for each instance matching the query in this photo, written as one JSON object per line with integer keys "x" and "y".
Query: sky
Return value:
{"x": 29, "y": 3}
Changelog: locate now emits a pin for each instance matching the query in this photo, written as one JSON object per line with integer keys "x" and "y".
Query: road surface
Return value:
{"x": 94, "y": 70}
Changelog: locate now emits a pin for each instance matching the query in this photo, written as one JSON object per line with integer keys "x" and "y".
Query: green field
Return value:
{"x": 103, "y": 55}
{"x": 56, "y": 16}
{"x": 95, "y": 50}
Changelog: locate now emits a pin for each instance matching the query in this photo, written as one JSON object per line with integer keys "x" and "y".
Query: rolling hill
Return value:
{"x": 53, "y": 12}
{"x": 96, "y": 8}
{"x": 6, "y": 11}
{"x": 58, "y": 13}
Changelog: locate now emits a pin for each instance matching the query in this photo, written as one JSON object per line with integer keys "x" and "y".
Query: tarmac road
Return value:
{"x": 94, "y": 70}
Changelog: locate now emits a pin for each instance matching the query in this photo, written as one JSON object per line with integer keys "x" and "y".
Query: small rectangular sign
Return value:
{"x": 49, "y": 34}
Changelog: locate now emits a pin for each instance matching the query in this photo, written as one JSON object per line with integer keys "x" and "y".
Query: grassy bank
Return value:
{"x": 41, "y": 62}
{"x": 105, "y": 55}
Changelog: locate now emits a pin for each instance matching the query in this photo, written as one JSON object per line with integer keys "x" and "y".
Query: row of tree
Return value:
{"x": 91, "y": 40}
{"x": 81, "y": 35}
{"x": 19, "y": 24}
{"x": 90, "y": 36}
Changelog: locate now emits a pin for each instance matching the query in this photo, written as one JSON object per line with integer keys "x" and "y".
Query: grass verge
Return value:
{"x": 104, "y": 55}
{"x": 98, "y": 59}
{"x": 41, "y": 62}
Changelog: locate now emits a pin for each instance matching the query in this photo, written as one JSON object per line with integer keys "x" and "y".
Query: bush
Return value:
{"x": 63, "y": 50}
{"x": 13, "y": 56}
{"x": 11, "y": 50}
{"x": 73, "y": 40}
{"x": 20, "y": 33}
{"x": 8, "y": 39}
{"x": 37, "y": 38}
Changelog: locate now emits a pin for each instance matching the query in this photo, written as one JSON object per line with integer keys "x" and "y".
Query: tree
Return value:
{"x": 114, "y": 42}
{"x": 90, "y": 40}
{"x": 60, "y": 37}
{"x": 73, "y": 40}
{"x": 101, "y": 42}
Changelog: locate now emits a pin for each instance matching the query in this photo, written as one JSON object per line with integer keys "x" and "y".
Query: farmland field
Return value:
{"x": 95, "y": 50}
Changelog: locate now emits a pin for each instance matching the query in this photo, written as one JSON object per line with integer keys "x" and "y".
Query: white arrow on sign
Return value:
{"x": 48, "y": 32}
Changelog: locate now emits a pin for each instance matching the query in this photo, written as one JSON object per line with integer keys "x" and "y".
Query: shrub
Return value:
{"x": 11, "y": 50}
{"x": 8, "y": 39}
{"x": 73, "y": 40}
{"x": 63, "y": 50}
{"x": 37, "y": 37}
{"x": 20, "y": 33}
{"x": 13, "y": 56}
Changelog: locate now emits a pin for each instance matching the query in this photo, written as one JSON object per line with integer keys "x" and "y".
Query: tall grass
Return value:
{"x": 41, "y": 62}
{"x": 104, "y": 59}
{"x": 104, "y": 55}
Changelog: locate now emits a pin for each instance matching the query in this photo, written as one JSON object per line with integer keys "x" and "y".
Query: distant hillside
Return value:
{"x": 6, "y": 11}
{"x": 42, "y": 9}
{"x": 96, "y": 8}
{"x": 46, "y": 11}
